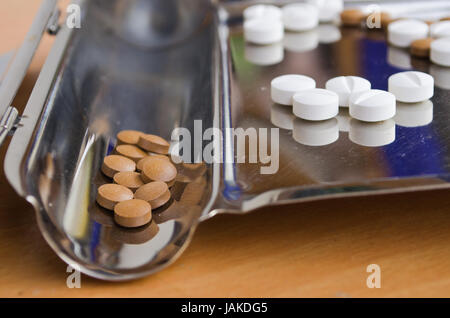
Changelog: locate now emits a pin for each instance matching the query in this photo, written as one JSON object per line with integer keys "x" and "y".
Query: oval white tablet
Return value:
{"x": 329, "y": 10}
{"x": 402, "y": 32}
{"x": 373, "y": 105}
{"x": 301, "y": 41}
{"x": 263, "y": 11}
{"x": 282, "y": 88}
{"x": 315, "y": 104}
{"x": 440, "y": 29}
{"x": 263, "y": 31}
{"x": 414, "y": 115}
{"x": 264, "y": 54}
{"x": 372, "y": 134}
{"x": 344, "y": 86}
{"x": 411, "y": 87}
{"x": 440, "y": 51}
{"x": 300, "y": 16}
{"x": 315, "y": 133}
{"x": 282, "y": 116}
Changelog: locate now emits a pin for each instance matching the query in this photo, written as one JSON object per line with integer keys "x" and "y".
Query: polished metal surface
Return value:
{"x": 94, "y": 84}
{"x": 5, "y": 61}
{"x": 417, "y": 159}
{"x": 187, "y": 61}
{"x": 21, "y": 61}
{"x": 7, "y": 122}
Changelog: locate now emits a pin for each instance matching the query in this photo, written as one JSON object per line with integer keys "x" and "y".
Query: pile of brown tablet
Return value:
{"x": 142, "y": 173}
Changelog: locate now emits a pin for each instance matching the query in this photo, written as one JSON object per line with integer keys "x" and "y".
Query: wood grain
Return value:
{"x": 318, "y": 249}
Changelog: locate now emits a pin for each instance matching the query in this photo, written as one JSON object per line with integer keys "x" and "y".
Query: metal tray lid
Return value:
{"x": 17, "y": 65}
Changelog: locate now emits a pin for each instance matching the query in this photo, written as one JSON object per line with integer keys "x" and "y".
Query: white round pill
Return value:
{"x": 264, "y": 54}
{"x": 282, "y": 88}
{"x": 440, "y": 29}
{"x": 414, "y": 115}
{"x": 315, "y": 133}
{"x": 282, "y": 116}
{"x": 329, "y": 10}
{"x": 373, "y": 105}
{"x": 301, "y": 41}
{"x": 344, "y": 86}
{"x": 315, "y": 104}
{"x": 372, "y": 134}
{"x": 263, "y": 31}
{"x": 440, "y": 51}
{"x": 411, "y": 87}
{"x": 402, "y": 33}
{"x": 264, "y": 11}
{"x": 300, "y": 16}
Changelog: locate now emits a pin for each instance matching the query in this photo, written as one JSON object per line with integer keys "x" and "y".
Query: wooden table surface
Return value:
{"x": 318, "y": 249}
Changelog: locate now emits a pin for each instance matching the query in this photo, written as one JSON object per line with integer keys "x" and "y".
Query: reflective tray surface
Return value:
{"x": 416, "y": 157}
{"x": 120, "y": 72}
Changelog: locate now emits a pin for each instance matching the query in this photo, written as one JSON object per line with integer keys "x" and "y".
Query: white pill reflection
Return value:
{"x": 399, "y": 57}
{"x": 301, "y": 41}
{"x": 414, "y": 114}
{"x": 441, "y": 76}
{"x": 264, "y": 54}
{"x": 372, "y": 134}
{"x": 315, "y": 133}
{"x": 329, "y": 33}
{"x": 281, "y": 116}
{"x": 344, "y": 119}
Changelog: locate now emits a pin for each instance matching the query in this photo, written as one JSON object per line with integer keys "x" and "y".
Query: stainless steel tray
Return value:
{"x": 119, "y": 72}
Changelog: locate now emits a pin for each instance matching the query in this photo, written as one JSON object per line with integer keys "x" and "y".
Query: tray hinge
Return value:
{"x": 9, "y": 123}
{"x": 53, "y": 23}
{"x": 17, "y": 67}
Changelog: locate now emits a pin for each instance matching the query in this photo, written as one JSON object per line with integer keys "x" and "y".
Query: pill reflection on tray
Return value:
{"x": 375, "y": 134}
{"x": 315, "y": 133}
{"x": 414, "y": 115}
